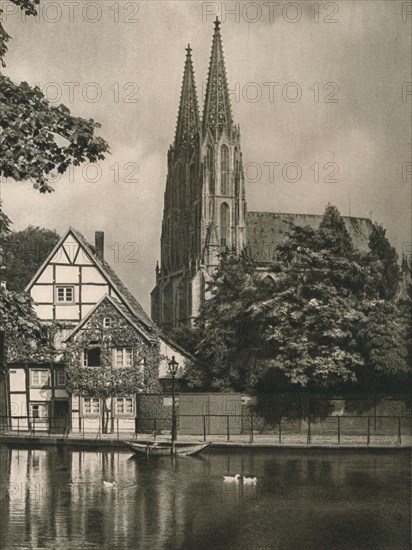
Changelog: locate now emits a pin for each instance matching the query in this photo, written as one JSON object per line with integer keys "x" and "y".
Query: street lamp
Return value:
{"x": 173, "y": 366}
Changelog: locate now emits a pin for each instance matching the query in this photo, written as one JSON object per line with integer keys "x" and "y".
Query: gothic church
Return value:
{"x": 205, "y": 204}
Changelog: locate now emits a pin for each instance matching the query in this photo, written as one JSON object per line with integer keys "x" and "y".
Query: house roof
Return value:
{"x": 121, "y": 309}
{"x": 129, "y": 301}
{"x": 265, "y": 230}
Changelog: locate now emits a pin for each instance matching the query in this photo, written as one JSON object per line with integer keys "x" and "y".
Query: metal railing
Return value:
{"x": 249, "y": 428}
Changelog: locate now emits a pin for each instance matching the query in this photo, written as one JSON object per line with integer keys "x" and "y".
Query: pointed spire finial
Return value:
{"x": 188, "y": 116}
{"x": 217, "y": 115}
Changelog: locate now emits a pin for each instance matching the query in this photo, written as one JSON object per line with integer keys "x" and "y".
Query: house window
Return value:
{"x": 91, "y": 406}
{"x": 124, "y": 406}
{"x": 60, "y": 378}
{"x": 91, "y": 357}
{"x": 40, "y": 378}
{"x": 107, "y": 322}
{"x": 123, "y": 357}
{"x": 39, "y": 410}
{"x": 65, "y": 294}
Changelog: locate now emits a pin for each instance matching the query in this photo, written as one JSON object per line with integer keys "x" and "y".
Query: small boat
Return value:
{"x": 165, "y": 448}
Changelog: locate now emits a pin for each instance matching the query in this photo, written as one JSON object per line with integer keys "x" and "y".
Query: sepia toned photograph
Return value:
{"x": 205, "y": 275}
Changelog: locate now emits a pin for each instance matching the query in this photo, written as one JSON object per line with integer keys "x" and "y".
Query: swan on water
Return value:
{"x": 232, "y": 478}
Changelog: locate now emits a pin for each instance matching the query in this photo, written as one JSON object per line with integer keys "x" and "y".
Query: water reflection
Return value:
{"x": 55, "y": 498}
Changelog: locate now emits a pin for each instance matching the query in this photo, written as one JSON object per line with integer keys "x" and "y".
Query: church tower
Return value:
{"x": 204, "y": 202}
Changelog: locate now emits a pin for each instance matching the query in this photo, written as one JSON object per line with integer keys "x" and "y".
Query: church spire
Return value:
{"x": 188, "y": 119}
{"x": 217, "y": 114}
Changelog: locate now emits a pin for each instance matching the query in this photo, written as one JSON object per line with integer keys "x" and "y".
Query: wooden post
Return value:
{"x": 338, "y": 430}
{"x": 117, "y": 428}
{"x": 251, "y": 428}
{"x": 228, "y": 427}
{"x": 309, "y": 438}
{"x": 204, "y": 427}
{"x": 399, "y": 431}
{"x": 154, "y": 427}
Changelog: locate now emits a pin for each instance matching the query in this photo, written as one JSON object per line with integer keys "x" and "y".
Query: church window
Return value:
{"x": 210, "y": 166}
{"x": 224, "y": 225}
{"x": 192, "y": 181}
{"x": 224, "y": 170}
{"x": 211, "y": 209}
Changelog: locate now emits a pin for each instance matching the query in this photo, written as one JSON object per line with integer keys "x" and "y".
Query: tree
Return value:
{"x": 38, "y": 140}
{"x": 223, "y": 334}
{"x": 322, "y": 320}
{"x": 24, "y": 252}
{"x": 383, "y": 262}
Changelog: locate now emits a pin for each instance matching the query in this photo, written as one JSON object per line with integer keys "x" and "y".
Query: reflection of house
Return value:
{"x": 93, "y": 322}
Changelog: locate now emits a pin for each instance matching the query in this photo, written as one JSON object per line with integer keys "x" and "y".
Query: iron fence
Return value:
{"x": 249, "y": 428}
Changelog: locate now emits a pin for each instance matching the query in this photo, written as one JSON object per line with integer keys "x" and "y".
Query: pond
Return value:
{"x": 303, "y": 499}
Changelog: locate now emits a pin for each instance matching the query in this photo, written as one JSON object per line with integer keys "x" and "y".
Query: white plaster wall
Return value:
{"x": 93, "y": 293}
{"x": 67, "y": 312}
{"x": 40, "y": 394}
{"x": 17, "y": 377}
{"x": 44, "y": 312}
{"x": 166, "y": 349}
{"x": 67, "y": 274}
{"x": 42, "y": 293}
{"x": 92, "y": 275}
{"x": 46, "y": 276}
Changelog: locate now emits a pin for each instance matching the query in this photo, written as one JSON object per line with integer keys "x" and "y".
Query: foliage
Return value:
{"x": 383, "y": 264}
{"x": 4, "y": 224}
{"x": 24, "y": 252}
{"x": 38, "y": 140}
{"x": 326, "y": 317}
{"x": 24, "y": 332}
{"x": 106, "y": 381}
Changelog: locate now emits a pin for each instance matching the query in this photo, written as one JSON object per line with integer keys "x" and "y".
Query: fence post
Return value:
{"x": 154, "y": 427}
{"x": 309, "y": 438}
{"x": 228, "y": 427}
{"x": 204, "y": 427}
{"x": 399, "y": 431}
{"x": 369, "y": 429}
{"x": 117, "y": 428}
{"x": 338, "y": 430}
{"x": 251, "y": 428}
{"x": 280, "y": 429}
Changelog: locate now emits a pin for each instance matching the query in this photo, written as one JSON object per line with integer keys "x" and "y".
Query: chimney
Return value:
{"x": 99, "y": 244}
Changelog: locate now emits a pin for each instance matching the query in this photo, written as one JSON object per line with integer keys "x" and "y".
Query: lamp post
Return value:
{"x": 173, "y": 366}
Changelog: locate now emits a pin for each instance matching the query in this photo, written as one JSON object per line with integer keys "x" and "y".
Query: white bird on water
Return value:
{"x": 109, "y": 483}
{"x": 232, "y": 478}
{"x": 249, "y": 480}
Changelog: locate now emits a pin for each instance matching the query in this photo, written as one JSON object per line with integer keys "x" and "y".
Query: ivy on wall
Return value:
{"x": 107, "y": 381}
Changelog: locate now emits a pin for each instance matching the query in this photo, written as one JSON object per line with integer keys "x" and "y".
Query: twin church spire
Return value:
{"x": 204, "y": 204}
{"x": 217, "y": 115}
{"x": 188, "y": 124}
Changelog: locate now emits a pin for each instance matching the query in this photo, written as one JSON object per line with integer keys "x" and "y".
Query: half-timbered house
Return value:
{"x": 94, "y": 323}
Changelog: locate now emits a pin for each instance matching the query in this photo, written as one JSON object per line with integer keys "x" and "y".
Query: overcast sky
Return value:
{"x": 311, "y": 96}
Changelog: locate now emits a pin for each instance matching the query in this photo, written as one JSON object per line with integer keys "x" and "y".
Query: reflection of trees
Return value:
{"x": 185, "y": 504}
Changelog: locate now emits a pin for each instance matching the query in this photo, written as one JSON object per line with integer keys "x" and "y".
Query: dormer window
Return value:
{"x": 107, "y": 322}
